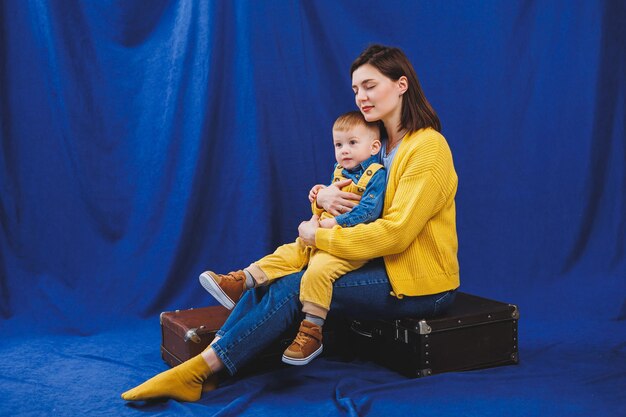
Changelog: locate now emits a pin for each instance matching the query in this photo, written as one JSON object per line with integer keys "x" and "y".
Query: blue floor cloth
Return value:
{"x": 566, "y": 369}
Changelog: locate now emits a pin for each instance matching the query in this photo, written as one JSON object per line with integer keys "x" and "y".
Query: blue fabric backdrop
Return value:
{"x": 145, "y": 141}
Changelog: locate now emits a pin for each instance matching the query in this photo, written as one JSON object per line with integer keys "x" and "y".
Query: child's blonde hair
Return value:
{"x": 351, "y": 119}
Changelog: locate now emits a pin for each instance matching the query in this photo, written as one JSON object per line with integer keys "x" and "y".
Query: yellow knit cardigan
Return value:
{"x": 416, "y": 233}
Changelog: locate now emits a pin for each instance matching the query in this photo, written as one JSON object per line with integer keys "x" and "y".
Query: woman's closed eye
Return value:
{"x": 365, "y": 87}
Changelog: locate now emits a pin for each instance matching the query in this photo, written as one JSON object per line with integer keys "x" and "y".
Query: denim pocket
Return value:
{"x": 443, "y": 302}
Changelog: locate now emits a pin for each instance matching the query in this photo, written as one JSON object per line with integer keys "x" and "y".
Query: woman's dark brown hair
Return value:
{"x": 417, "y": 113}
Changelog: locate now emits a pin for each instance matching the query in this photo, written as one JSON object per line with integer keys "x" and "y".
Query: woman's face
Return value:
{"x": 377, "y": 96}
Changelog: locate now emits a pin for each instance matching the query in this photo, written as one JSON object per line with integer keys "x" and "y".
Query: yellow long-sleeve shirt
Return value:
{"x": 416, "y": 233}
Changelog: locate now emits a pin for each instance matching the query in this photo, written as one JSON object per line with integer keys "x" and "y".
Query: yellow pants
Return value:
{"x": 322, "y": 269}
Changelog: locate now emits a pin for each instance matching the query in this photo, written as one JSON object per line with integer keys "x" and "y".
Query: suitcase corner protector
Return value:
{"x": 515, "y": 312}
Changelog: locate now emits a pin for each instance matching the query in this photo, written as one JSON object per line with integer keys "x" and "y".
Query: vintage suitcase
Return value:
{"x": 186, "y": 333}
{"x": 475, "y": 333}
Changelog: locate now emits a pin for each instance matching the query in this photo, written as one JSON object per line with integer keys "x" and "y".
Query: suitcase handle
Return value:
{"x": 355, "y": 327}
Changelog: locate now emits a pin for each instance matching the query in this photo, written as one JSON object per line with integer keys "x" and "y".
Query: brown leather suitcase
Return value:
{"x": 474, "y": 333}
{"x": 186, "y": 333}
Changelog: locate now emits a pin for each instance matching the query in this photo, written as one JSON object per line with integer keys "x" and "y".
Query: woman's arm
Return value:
{"x": 392, "y": 233}
{"x": 427, "y": 182}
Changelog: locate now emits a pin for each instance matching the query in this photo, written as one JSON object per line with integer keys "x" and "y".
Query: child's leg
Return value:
{"x": 286, "y": 259}
{"x": 316, "y": 290}
{"x": 316, "y": 287}
{"x": 228, "y": 289}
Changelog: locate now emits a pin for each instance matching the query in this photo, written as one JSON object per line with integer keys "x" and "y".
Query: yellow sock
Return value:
{"x": 183, "y": 383}
{"x": 210, "y": 383}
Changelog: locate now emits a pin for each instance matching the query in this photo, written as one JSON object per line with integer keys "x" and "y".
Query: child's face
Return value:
{"x": 355, "y": 145}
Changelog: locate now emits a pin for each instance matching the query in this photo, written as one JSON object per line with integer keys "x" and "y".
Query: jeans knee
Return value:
{"x": 286, "y": 286}
{"x": 284, "y": 291}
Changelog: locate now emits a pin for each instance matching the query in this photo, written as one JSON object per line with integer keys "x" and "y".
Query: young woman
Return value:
{"x": 413, "y": 245}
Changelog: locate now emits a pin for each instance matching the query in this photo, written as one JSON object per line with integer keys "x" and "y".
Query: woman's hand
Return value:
{"x": 335, "y": 201}
{"x": 314, "y": 190}
{"x": 307, "y": 229}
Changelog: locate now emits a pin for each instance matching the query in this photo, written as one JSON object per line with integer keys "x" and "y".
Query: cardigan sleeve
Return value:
{"x": 417, "y": 199}
{"x": 420, "y": 193}
{"x": 316, "y": 210}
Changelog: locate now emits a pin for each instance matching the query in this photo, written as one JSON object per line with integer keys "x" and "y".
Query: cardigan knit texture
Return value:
{"x": 416, "y": 234}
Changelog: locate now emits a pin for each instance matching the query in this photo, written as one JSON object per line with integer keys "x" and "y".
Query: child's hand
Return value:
{"x": 328, "y": 223}
{"x": 314, "y": 190}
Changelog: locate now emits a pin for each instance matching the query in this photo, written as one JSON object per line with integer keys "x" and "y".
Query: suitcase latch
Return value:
{"x": 424, "y": 328}
{"x": 192, "y": 335}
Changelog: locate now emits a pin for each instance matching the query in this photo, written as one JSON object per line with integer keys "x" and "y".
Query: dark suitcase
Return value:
{"x": 474, "y": 333}
{"x": 186, "y": 333}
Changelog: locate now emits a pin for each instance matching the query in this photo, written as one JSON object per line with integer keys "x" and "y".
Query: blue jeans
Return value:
{"x": 264, "y": 313}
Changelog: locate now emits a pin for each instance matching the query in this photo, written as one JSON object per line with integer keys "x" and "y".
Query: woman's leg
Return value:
{"x": 365, "y": 294}
{"x": 272, "y": 312}
{"x": 188, "y": 380}
{"x": 249, "y": 300}
{"x": 359, "y": 294}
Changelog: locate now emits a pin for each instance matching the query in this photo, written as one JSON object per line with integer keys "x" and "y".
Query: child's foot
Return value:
{"x": 183, "y": 383}
{"x": 227, "y": 289}
{"x": 306, "y": 346}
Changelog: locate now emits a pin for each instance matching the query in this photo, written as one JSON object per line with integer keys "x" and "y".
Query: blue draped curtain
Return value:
{"x": 143, "y": 142}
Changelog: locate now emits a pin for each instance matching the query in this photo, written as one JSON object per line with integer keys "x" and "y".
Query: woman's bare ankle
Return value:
{"x": 211, "y": 358}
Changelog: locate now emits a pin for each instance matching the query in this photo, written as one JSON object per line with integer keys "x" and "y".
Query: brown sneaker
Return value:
{"x": 227, "y": 289}
{"x": 306, "y": 346}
